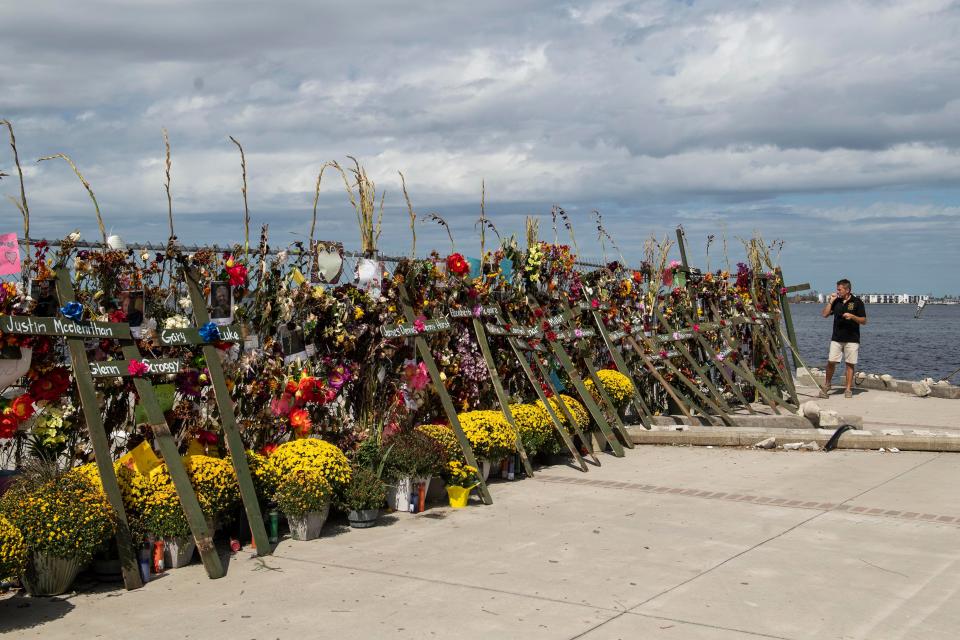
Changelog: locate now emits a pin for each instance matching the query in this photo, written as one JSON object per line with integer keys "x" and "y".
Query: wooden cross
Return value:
{"x": 513, "y": 337}
{"x": 228, "y": 420}
{"x": 410, "y": 330}
{"x": 481, "y": 336}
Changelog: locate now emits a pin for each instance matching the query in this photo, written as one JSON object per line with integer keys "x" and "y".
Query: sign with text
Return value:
{"x": 415, "y": 329}
{"x": 190, "y": 335}
{"x": 33, "y": 325}
{"x": 121, "y": 368}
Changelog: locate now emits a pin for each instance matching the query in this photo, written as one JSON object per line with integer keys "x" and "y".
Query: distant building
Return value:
{"x": 893, "y": 298}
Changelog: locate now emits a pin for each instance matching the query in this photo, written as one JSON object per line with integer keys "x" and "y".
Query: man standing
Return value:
{"x": 848, "y": 314}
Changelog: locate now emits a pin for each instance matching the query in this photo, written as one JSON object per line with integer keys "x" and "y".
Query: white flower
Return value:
{"x": 185, "y": 303}
{"x": 176, "y": 322}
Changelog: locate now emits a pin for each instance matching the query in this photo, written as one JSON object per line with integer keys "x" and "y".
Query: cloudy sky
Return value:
{"x": 833, "y": 125}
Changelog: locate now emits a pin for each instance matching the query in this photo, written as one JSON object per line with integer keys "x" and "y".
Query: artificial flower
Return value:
{"x": 72, "y": 310}
{"x": 457, "y": 264}
{"x": 137, "y": 368}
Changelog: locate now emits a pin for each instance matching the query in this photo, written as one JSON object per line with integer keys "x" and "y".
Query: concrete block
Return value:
{"x": 920, "y": 389}
{"x": 793, "y": 446}
{"x": 829, "y": 418}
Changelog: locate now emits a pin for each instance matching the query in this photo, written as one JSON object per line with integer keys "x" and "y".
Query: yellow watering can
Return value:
{"x": 459, "y": 495}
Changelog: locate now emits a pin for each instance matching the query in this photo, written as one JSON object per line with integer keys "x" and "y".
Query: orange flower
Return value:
{"x": 300, "y": 421}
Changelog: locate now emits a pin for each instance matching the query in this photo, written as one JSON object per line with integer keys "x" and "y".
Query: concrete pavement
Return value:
{"x": 667, "y": 542}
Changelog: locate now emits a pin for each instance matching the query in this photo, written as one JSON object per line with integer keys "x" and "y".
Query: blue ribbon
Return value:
{"x": 209, "y": 332}
{"x": 72, "y": 310}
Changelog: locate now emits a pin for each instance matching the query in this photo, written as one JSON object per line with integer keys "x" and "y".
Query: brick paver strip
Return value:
{"x": 757, "y": 500}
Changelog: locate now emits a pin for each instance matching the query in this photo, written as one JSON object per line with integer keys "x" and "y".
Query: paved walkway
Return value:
{"x": 668, "y": 542}
{"x": 888, "y": 409}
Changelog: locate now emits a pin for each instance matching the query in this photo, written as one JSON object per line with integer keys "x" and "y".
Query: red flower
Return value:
{"x": 117, "y": 316}
{"x": 457, "y": 264}
{"x": 638, "y": 276}
{"x": 237, "y": 272}
{"x": 8, "y": 425}
{"x": 51, "y": 386}
{"x": 300, "y": 421}
{"x": 22, "y": 407}
{"x": 268, "y": 449}
{"x": 550, "y": 336}
{"x": 238, "y": 275}
{"x": 538, "y": 313}
{"x": 207, "y": 437}
{"x": 307, "y": 390}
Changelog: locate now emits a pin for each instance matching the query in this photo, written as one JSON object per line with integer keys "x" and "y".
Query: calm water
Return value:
{"x": 891, "y": 342}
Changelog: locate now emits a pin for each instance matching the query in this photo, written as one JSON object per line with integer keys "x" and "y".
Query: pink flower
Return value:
{"x": 281, "y": 406}
{"x": 595, "y": 303}
{"x": 137, "y": 368}
{"x": 420, "y": 324}
{"x": 696, "y": 328}
{"x": 663, "y": 354}
{"x": 416, "y": 375}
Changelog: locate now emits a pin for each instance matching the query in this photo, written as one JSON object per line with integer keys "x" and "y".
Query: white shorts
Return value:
{"x": 849, "y": 350}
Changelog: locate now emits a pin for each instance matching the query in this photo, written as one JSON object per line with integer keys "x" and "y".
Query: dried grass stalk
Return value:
{"x": 86, "y": 185}
{"x": 364, "y": 202}
{"x": 413, "y": 217}
{"x": 166, "y": 181}
{"x": 246, "y": 208}
{"x": 435, "y": 217}
{"x": 21, "y": 205}
{"x": 316, "y": 198}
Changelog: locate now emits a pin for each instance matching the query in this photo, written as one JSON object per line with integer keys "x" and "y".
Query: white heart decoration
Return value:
{"x": 327, "y": 262}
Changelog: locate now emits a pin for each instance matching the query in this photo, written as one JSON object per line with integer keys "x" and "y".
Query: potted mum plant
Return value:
{"x": 363, "y": 498}
{"x": 63, "y": 519}
{"x": 461, "y": 479}
{"x": 304, "y": 496}
{"x": 411, "y": 459}
{"x": 164, "y": 517}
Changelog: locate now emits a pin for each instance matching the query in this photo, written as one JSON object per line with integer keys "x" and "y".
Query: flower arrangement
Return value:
{"x": 214, "y": 481}
{"x": 413, "y": 454}
{"x": 445, "y": 436}
{"x": 459, "y": 474}
{"x": 617, "y": 386}
{"x": 365, "y": 491}
{"x": 65, "y": 516}
{"x": 489, "y": 434}
{"x": 303, "y": 490}
{"x": 13, "y": 550}
{"x": 535, "y": 428}
{"x": 311, "y": 453}
{"x": 133, "y": 486}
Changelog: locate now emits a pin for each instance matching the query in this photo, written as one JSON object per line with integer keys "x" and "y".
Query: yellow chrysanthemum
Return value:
{"x": 489, "y": 433}
{"x": 311, "y": 453}
{"x": 617, "y": 386}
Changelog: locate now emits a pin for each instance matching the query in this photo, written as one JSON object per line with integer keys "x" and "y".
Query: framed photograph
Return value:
{"x": 221, "y": 302}
{"x": 326, "y": 262}
{"x": 44, "y": 294}
{"x": 292, "y": 342}
{"x": 132, "y": 304}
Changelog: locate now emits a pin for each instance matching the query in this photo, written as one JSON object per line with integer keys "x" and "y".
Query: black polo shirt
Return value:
{"x": 847, "y": 330}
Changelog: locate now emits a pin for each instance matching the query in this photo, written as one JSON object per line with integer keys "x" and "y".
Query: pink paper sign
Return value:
{"x": 9, "y": 254}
